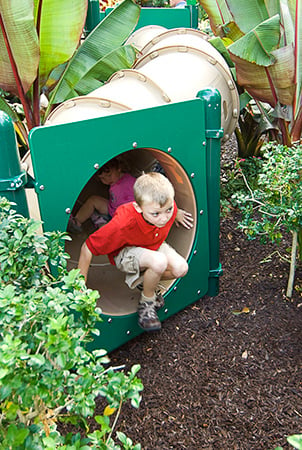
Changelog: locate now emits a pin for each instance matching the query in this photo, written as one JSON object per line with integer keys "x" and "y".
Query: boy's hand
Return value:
{"x": 184, "y": 218}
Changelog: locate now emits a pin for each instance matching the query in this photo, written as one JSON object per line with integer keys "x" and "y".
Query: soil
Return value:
{"x": 224, "y": 373}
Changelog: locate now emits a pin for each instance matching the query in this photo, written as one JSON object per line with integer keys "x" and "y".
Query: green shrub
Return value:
{"x": 271, "y": 199}
{"x": 46, "y": 374}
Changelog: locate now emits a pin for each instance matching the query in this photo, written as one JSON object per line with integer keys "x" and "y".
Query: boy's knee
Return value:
{"x": 181, "y": 270}
{"x": 160, "y": 263}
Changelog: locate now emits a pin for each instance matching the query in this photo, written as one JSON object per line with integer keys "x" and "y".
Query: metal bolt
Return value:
{"x": 12, "y": 185}
{"x": 166, "y": 310}
{"x": 128, "y": 332}
{"x": 68, "y": 210}
{"x": 195, "y": 251}
{"x": 169, "y": 150}
{"x": 175, "y": 288}
{"x": 134, "y": 145}
{"x": 96, "y": 166}
{"x": 198, "y": 292}
{"x": 42, "y": 187}
{"x": 192, "y": 175}
{"x": 204, "y": 143}
{"x": 201, "y": 212}
{"x": 109, "y": 320}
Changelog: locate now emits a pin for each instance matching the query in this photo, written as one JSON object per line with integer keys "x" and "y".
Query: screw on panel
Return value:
{"x": 128, "y": 332}
{"x": 134, "y": 145}
{"x": 201, "y": 212}
{"x": 96, "y": 166}
{"x": 169, "y": 150}
{"x": 198, "y": 292}
{"x": 175, "y": 287}
{"x": 192, "y": 175}
{"x": 195, "y": 251}
{"x": 204, "y": 143}
{"x": 68, "y": 210}
{"x": 109, "y": 320}
{"x": 42, "y": 187}
{"x": 166, "y": 310}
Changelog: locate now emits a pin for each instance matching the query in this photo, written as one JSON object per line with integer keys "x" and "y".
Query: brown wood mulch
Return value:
{"x": 218, "y": 380}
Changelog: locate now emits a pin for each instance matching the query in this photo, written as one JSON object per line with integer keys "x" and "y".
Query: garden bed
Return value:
{"x": 216, "y": 379}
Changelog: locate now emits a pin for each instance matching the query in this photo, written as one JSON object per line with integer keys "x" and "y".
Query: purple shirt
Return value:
{"x": 121, "y": 192}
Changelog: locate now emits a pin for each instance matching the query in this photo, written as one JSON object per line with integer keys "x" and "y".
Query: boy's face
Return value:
{"x": 155, "y": 214}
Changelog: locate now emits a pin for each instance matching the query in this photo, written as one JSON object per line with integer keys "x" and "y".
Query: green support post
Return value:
{"x": 214, "y": 133}
{"x": 12, "y": 177}
{"x": 93, "y": 16}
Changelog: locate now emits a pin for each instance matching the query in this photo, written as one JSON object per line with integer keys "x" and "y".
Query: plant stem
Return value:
{"x": 290, "y": 284}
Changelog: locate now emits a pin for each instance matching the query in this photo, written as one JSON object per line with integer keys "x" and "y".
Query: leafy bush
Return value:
{"x": 271, "y": 201}
{"x": 46, "y": 374}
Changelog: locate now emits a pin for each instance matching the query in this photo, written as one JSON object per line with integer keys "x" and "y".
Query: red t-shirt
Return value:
{"x": 127, "y": 228}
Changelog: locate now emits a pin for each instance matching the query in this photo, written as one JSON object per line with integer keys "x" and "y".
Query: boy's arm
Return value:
{"x": 184, "y": 218}
{"x": 84, "y": 260}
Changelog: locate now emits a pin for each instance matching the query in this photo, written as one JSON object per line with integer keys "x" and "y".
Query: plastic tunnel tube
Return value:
{"x": 174, "y": 66}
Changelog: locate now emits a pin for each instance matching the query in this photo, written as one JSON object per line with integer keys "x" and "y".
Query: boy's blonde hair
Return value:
{"x": 153, "y": 187}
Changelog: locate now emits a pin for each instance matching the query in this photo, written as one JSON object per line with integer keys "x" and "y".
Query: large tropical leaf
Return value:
{"x": 120, "y": 58}
{"x": 256, "y": 46}
{"x": 273, "y": 84}
{"x": 298, "y": 56}
{"x": 60, "y": 29}
{"x": 17, "y": 19}
{"x": 106, "y": 37}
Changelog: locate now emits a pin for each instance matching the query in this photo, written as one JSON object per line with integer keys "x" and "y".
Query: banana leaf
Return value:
{"x": 256, "y": 46}
{"x": 107, "y": 36}
{"x": 60, "y": 27}
{"x": 17, "y": 25}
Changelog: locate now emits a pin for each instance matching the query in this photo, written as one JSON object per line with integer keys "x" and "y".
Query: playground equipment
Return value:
{"x": 151, "y": 114}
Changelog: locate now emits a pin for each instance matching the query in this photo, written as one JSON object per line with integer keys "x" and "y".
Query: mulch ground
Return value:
{"x": 218, "y": 380}
{"x": 224, "y": 373}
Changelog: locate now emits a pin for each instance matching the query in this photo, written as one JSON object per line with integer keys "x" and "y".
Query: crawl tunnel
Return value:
{"x": 148, "y": 121}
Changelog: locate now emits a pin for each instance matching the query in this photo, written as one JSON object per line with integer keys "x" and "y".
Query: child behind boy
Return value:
{"x": 134, "y": 241}
{"x": 101, "y": 209}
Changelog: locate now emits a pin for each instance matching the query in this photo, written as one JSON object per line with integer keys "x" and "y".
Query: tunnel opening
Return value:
{"x": 116, "y": 298}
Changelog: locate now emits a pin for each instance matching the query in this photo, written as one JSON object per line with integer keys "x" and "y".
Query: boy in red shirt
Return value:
{"x": 134, "y": 241}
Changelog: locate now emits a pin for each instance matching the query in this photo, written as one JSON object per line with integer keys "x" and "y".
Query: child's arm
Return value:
{"x": 184, "y": 218}
{"x": 84, "y": 260}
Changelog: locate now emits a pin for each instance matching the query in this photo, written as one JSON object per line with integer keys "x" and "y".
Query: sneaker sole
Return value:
{"x": 155, "y": 328}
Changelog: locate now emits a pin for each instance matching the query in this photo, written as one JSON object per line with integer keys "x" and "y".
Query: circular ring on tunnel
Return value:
{"x": 116, "y": 299}
{"x": 184, "y": 36}
{"x": 143, "y": 35}
{"x": 182, "y": 72}
{"x": 82, "y": 108}
{"x": 133, "y": 89}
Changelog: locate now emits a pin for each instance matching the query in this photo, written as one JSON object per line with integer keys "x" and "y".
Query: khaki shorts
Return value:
{"x": 127, "y": 261}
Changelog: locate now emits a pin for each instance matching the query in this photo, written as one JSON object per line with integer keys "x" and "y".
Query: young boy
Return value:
{"x": 134, "y": 241}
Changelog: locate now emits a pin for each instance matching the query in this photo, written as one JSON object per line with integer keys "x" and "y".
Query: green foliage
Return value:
{"x": 47, "y": 376}
{"x": 271, "y": 203}
{"x": 271, "y": 200}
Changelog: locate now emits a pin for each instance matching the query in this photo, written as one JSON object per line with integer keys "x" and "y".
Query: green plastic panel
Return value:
{"x": 166, "y": 17}
{"x": 64, "y": 159}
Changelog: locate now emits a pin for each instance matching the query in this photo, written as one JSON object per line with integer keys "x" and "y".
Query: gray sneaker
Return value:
{"x": 147, "y": 317}
{"x": 159, "y": 301}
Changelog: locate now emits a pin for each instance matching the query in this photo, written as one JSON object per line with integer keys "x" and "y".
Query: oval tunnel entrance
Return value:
{"x": 116, "y": 299}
